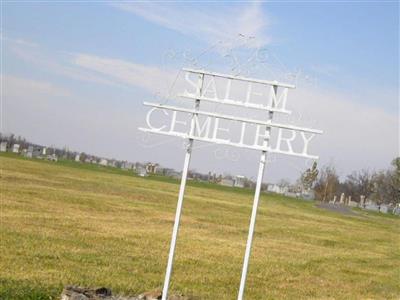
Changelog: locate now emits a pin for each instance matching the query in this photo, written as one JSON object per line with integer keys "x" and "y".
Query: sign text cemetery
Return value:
{"x": 233, "y": 129}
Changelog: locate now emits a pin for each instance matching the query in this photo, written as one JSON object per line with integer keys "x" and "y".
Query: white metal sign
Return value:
{"x": 205, "y": 126}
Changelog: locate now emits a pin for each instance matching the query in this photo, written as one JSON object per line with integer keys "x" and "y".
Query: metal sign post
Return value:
{"x": 180, "y": 198}
{"x": 202, "y": 132}
{"x": 260, "y": 176}
{"x": 177, "y": 220}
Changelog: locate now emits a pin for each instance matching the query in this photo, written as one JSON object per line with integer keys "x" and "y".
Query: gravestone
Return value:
{"x": 342, "y": 198}
{"x": 383, "y": 208}
{"x": 3, "y": 146}
{"x": 239, "y": 181}
{"x": 362, "y": 201}
{"x": 15, "y": 148}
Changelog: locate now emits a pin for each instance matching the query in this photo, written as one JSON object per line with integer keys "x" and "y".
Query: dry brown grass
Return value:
{"x": 61, "y": 224}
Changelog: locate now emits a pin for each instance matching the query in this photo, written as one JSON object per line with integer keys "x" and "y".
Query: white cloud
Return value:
{"x": 212, "y": 24}
{"x": 24, "y": 87}
{"x": 95, "y": 69}
{"x": 150, "y": 78}
{"x": 57, "y": 63}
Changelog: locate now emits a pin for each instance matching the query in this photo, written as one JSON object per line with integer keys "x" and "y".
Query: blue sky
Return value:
{"x": 83, "y": 55}
{"x": 360, "y": 39}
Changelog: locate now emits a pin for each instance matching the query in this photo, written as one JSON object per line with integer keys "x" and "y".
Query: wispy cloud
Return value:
{"x": 59, "y": 63}
{"x": 24, "y": 87}
{"x": 210, "y": 24}
{"x": 150, "y": 78}
{"x": 91, "y": 68}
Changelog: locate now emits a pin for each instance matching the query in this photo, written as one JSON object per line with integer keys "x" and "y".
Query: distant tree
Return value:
{"x": 327, "y": 184}
{"x": 360, "y": 183}
{"x": 264, "y": 186}
{"x": 247, "y": 183}
{"x": 386, "y": 184}
{"x": 23, "y": 142}
{"x": 396, "y": 165}
{"x": 382, "y": 187}
{"x": 11, "y": 139}
{"x": 393, "y": 181}
{"x": 83, "y": 156}
{"x": 309, "y": 176}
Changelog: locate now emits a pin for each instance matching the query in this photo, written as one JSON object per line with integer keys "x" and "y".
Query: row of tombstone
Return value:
{"x": 365, "y": 203}
{"x": 4, "y": 147}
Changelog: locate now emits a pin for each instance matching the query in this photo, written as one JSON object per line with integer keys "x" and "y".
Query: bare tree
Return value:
{"x": 393, "y": 182}
{"x": 327, "y": 184}
{"x": 382, "y": 186}
{"x": 360, "y": 183}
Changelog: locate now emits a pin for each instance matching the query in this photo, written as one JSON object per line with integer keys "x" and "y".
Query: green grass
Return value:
{"x": 68, "y": 223}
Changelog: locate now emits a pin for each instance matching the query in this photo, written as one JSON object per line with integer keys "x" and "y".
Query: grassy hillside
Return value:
{"x": 66, "y": 223}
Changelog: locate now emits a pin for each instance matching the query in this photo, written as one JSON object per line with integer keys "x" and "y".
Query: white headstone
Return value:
{"x": 15, "y": 148}
{"x": 342, "y": 198}
{"x": 239, "y": 181}
{"x": 384, "y": 208}
{"x": 3, "y": 147}
{"x": 103, "y": 162}
{"x": 362, "y": 200}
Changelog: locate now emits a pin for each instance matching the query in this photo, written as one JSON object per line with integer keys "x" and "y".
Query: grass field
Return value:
{"x": 68, "y": 223}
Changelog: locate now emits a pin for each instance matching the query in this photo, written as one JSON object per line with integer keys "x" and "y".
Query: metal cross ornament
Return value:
{"x": 205, "y": 126}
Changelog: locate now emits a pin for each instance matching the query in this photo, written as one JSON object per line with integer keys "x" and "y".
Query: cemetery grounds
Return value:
{"x": 70, "y": 223}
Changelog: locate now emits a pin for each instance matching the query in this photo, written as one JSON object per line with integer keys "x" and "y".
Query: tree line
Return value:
{"x": 382, "y": 187}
